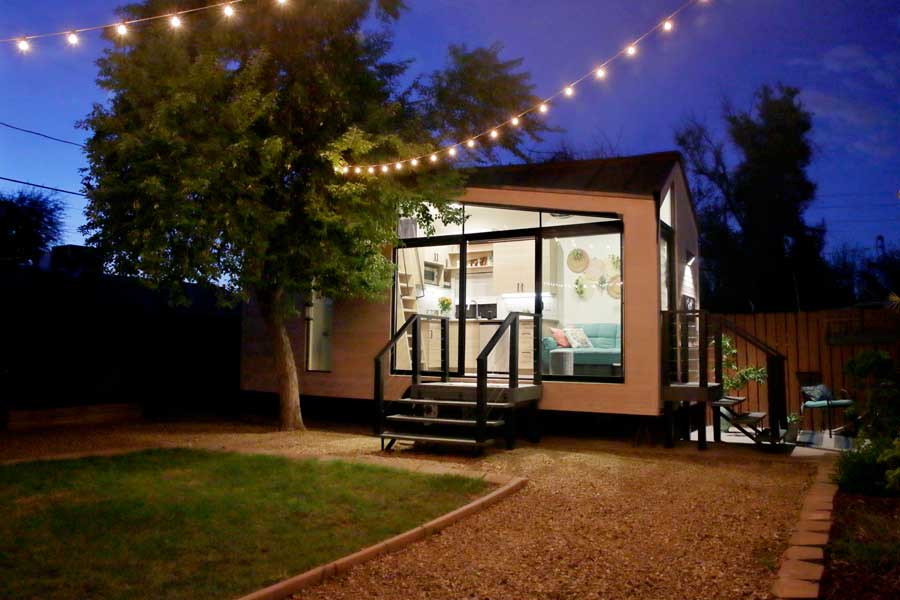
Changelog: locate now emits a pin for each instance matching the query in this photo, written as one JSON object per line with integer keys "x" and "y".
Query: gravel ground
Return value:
{"x": 598, "y": 519}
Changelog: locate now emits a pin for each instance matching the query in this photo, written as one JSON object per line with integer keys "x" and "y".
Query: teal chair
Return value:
{"x": 814, "y": 395}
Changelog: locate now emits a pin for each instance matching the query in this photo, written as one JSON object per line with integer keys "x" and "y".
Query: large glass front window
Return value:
{"x": 582, "y": 316}
{"x": 492, "y": 273}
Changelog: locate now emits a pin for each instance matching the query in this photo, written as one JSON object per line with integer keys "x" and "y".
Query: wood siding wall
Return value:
{"x": 820, "y": 341}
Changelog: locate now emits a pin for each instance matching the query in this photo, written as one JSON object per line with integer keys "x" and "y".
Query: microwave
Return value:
{"x": 431, "y": 275}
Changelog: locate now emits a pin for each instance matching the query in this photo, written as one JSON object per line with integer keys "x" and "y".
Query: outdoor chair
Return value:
{"x": 814, "y": 395}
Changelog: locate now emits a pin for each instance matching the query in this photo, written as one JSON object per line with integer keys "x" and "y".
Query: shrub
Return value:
{"x": 859, "y": 471}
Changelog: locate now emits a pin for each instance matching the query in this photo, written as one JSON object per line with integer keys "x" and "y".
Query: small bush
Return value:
{"x": 860, "y": 472}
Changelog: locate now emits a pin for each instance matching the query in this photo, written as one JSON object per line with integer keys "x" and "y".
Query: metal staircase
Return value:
{"x": 688, "y": 337}
{"x": 459, "y": 413}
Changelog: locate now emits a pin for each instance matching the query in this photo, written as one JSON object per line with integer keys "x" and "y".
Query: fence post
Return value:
{"x": 445, "y": 349}
{"x": 379, "y": 396}
{"x": 417, "y": 351}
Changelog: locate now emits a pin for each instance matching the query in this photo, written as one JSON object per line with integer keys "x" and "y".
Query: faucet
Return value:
{"x": 475, "y": 302}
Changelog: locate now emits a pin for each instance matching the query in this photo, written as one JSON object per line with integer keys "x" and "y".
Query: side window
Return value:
{"x": 319, "y": 318}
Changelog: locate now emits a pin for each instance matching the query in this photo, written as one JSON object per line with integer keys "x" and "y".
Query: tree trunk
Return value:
{"x": 288, "y": 379}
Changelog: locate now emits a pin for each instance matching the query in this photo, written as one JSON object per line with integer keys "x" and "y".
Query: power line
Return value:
{"x": 44, "y": 187}
{"x": 43, "y": 135}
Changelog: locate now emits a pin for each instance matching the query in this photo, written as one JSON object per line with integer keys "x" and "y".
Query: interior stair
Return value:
{"x": 446, "y": 413}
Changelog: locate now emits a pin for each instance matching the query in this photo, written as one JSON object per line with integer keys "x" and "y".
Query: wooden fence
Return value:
{"x": 820, "y": 341}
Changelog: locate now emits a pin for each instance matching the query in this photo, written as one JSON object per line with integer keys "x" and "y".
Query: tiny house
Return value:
{"x": 549, "y": 295}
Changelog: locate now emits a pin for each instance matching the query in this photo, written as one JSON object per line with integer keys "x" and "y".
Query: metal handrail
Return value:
{"x": 511, "y": 323}
{"x": 414, "y": 321}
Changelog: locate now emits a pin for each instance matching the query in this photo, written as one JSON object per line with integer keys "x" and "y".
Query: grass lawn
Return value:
{"x": 863, "y": 558}
{"x": 196, "y": 524}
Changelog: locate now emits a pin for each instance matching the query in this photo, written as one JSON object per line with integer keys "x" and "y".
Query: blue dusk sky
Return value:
{"x": 843, "y": 54}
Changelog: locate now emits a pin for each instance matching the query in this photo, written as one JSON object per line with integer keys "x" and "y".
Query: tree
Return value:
{"x": 30, "y": 224}
{"x": 759, "y": 252}
{"x": 219, "y": 157}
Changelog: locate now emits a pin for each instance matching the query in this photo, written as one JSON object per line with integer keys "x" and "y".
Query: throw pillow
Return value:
{"x": 817, "y": 392}
{"x": 560, "y": 337}
{"x": 578, "y": 338}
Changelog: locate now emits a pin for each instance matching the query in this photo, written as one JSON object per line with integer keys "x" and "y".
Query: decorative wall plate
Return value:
{"x": 578, "y": 260}
{"x": 614, "y": 288}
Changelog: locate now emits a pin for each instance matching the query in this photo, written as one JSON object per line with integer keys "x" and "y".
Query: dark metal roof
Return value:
{"x": 643, "y": 175}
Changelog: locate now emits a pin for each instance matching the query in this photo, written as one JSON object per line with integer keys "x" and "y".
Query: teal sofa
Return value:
{"x": 606, "y": 339}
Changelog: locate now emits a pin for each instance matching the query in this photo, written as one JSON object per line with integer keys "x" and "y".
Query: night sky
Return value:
{"x": 843, "y": 54}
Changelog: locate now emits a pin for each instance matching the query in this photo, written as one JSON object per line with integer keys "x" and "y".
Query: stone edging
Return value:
{"x": 315, "y": 576}
{"x": 802, "y": 564}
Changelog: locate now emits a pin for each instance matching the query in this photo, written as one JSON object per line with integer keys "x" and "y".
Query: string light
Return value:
{"x": 175, "y": 19}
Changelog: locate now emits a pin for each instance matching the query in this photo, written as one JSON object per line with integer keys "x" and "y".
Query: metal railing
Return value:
{"x": 414, "y": 322}
{"x": 687, "y": 338}
{"x": 511, "y": 324}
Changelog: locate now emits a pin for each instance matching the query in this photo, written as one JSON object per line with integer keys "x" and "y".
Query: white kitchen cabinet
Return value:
{"x": 514, "y": 267}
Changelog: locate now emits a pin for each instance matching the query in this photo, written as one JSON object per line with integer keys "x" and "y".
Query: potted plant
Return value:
{"x": 735, "y": 379}
{"x": 445, "y": 304}
{"x": 793, "y": 429}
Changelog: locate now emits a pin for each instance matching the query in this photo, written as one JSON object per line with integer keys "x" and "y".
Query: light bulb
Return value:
{"x": 371, "y": 170}
{"x": 345, "y": 170}
{"x": 398, "y": 166}
{"x": 601, "y": 73}
{"x": 631, "y": 50}
{"x": 175, "y": 21}
{"x": 24, "y": 46}
{"x": 470, "y": 143}
{"x": 543, "y": 108}
{"x": 494, "y": 134}
{"x": 72, "y": 38}
{"x": 515, "y": 121}
{"x": 384, "y": 169}
{"x": 414, "y": 162}
{"x": 282, "y": 2}
{"x": 228, "y": 10}
{"x": 569, "y": 91}
{"x": 433, "y": 158}
{"x": 667, "y": 26}
{"x": 357, "y": 170}
{"x": 121, "y": 29}
{"x": 452, "y": 151}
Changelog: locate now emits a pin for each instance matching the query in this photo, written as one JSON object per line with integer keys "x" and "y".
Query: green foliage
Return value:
{"x": 30, "y": 224}
{"x": 859, "y": 471}
{"x": 215, "y": 158}
{"x": 875, "y": 375}
{"x": 755, "y": 207}
{"x": 734, "y": 378}
{"x": 186, "y": 524}
{"x": 891, "y": 458}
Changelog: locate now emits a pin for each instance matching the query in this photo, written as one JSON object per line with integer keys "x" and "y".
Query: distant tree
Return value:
{"x": 30, "y": 224}
{"x": 219, "y": 155}
{"x": 759, "y": 252}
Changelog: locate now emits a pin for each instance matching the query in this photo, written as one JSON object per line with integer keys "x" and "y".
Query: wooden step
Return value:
{"x": 435, "y": 439}
{"x": 432, "y": 402}
{"x": 441, "y": 420}
{"x": 463, "y": 390}
{"x": 751, "y": 418}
